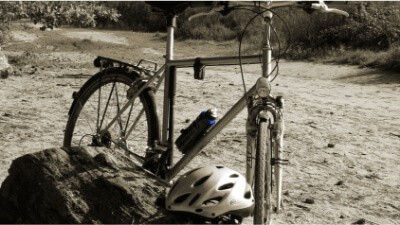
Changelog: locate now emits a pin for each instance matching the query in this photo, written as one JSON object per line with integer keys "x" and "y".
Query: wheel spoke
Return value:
{"x": 121, "y": 130}
{"x": 98, "y": 110}
{"x": 106, "y": 107}
{"x": 100, "y": 103}
{"x": 135, "y": 122}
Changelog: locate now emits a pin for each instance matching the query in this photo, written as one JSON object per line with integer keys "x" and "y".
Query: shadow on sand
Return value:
{"x": 372, "y": 76}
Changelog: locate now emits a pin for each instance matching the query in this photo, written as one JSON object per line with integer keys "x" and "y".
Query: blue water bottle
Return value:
{"x": 196, "y": 129}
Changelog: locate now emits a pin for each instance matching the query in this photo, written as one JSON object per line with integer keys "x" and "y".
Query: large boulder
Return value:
{"x": 79, "y": 185}
{"x": 5, "y": 67}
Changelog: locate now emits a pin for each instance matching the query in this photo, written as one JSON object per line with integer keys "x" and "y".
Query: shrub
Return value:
{"x": 392, "y": 61}
{"x": 217, "y": 32}
{"x": 78, "y": 14}
{"x": 9, "y": 11}
{"x": 138, "y": 16}
{"x": 23, "y": 59}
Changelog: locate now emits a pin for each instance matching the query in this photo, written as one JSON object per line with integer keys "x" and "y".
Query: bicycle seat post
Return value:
{"x": 171, "y": 20}
{"x": 170, "y": 89}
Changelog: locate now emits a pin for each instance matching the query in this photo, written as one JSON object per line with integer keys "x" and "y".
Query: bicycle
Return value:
{"x": 116, "y": 108}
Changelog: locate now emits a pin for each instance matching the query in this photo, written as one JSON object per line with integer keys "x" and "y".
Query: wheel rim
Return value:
{"x": 97, "y": 106}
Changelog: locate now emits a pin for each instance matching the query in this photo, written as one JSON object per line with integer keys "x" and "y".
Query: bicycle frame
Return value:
{"x": 169, "y": 94}
{"x": 269, "y": 106}
{"x": 169, "y": 72}
{"x": 168, "y": 110}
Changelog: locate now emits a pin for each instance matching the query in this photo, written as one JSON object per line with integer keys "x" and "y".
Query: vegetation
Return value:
{"x": 8, "y": 11}
{"x": 372, "y": 29}
{"x": 370, "y": 37}
{"x": 78, "y": 14}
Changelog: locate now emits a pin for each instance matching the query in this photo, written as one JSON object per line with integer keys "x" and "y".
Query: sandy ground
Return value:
{"x": 355, "y": 111}
{"x": 98, "y": 36}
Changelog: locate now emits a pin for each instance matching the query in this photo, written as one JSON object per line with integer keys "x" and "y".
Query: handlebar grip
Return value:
{"x": 338, "y": 11}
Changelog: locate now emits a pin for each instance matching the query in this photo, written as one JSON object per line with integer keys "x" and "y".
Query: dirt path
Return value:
{"x": 357, "y": 177}
{"x": 354, "y": 110}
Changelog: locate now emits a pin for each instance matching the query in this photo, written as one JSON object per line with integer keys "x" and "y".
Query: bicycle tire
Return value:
{"x": 88, "y": 116}
{"x": 263, "y": 174}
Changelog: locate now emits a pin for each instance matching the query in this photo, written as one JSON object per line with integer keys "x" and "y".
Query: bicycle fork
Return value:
{"x": 279, "y": 161}
{"x": 268, "y": 110}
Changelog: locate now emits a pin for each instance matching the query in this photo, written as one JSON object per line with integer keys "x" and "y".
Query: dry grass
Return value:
{"x": 387, "y": 60}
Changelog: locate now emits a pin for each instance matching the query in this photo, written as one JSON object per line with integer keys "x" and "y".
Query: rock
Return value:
{"x": 5, "y": 67}
{"x": 340, "y": 182}
{"x": 360, "y": 221}
{"x": 330, "y": 145}
{"x": 71, "y": 186}
{"x": 309, "y": 201}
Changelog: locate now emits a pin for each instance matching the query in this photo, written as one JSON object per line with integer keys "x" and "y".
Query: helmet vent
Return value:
{"x": 247, "y": 195}
{"x": 190, "y": 172}
{"x": 194, "y": 199}
{"x": 226, "y": 186}
{"x": 219, "y": 167}
{"x": 199, "y": 210}
{"x": 181, "y": 198}
{"x": 234, "y": 175}
{"x": 201, "y": 181}
{"x": 212, "y": 201}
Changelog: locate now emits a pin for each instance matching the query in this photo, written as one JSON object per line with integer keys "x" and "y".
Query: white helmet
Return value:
{"x": 210, "y": 192}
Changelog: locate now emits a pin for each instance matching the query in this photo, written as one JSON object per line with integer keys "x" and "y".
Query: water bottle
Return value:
{"x": 196, "y": 129}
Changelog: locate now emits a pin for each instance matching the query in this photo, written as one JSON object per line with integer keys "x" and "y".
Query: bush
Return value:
{"x": 78, "y": 14}
{"x": 23, "y": 59}
{"x": 9, "y": 11}
{"x": 372, "y": 26}
{"x": 205, "y": 31}
{"x": 138, "y": 16}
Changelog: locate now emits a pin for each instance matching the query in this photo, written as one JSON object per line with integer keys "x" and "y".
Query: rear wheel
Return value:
{"x": 263, "y": 174}
{"x": 99, "y": 101}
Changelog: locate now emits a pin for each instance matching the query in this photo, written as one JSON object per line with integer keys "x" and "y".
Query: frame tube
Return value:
{"x": 216, "y": 61}
{"x": 232, "y": 113}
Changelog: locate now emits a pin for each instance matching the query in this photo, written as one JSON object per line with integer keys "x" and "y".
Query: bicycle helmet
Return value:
{"x": 210, "y": 192}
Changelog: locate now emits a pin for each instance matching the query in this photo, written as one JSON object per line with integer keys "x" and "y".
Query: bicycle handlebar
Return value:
{"x": 211, "y": 12}
{"x": 226, "y": 7}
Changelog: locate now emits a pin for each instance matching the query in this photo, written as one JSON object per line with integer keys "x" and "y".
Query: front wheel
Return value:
{"x": 263, "y": 173}
{"x": 99, "y": 101}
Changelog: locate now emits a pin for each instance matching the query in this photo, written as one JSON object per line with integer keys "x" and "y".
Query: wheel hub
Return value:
{"x": 102, "y": 141}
